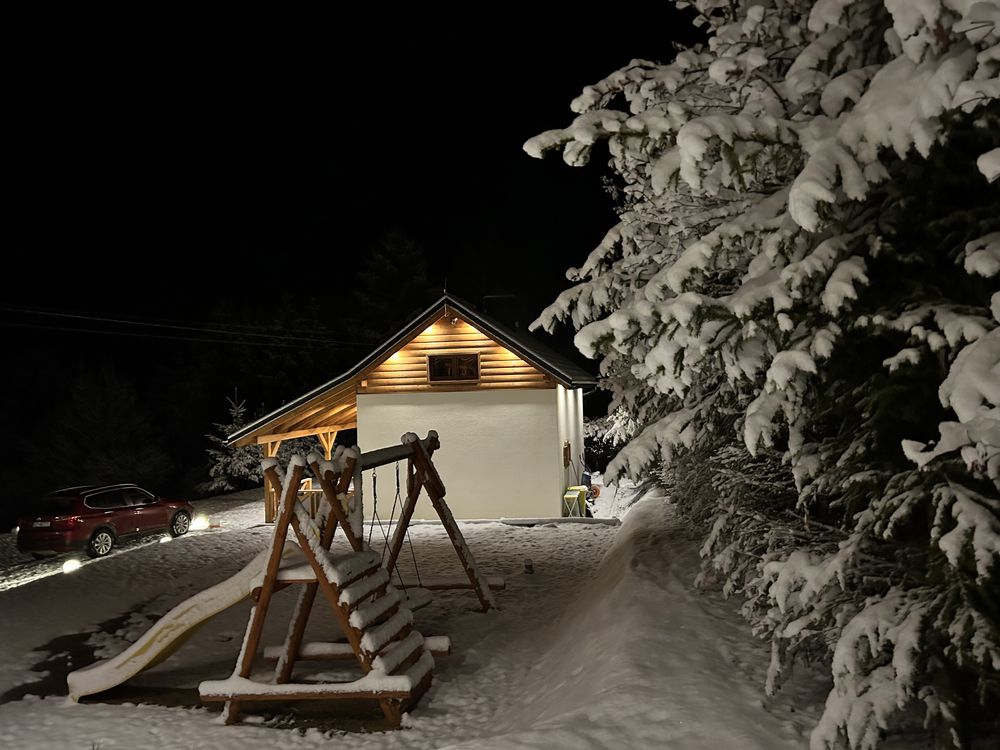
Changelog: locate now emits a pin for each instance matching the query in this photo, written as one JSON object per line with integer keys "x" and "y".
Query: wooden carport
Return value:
{"x": 324, "y": 415}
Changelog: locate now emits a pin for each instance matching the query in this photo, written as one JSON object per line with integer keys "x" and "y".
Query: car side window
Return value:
{"x": 135, "y": 496}
{"x": 107, "y": 500}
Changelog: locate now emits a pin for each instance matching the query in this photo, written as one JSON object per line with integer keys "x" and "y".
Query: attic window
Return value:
{"x": 453, "y": 368}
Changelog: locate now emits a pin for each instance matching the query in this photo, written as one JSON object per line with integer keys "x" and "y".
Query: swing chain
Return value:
{"x": 409, "y": 541}
{"x": 375, "y": 518}
{"x": 392, "y": 515}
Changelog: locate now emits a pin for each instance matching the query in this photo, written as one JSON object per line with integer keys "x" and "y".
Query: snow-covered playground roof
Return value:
{"x": 333, "y": 406}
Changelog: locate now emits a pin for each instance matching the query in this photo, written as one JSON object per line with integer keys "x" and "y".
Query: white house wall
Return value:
{"x": 570, "y": 409}
{"x": 501, "y": 450}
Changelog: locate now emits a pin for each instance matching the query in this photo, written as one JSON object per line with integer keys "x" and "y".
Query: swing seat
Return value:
{"x": 416, "y": 597}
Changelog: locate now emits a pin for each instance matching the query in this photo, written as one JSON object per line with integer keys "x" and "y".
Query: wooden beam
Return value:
{"x": 306, "y": 692}
{"x": 300, "y": 616}
{"x": 438, "y": 388}
{"x": 265, "y": 439}
{"x": 324, "y": 412}
{"x": 496, "y": 583}
{"x": 259, "y": 612}
{"x": 316, "y": 404}
{"x": 327, "y": 439}
{"x": 413, "y": 488}
{"x": 270, "y": 494}
{"x": 436, "y": 491}
{"x": 383, "y": 456}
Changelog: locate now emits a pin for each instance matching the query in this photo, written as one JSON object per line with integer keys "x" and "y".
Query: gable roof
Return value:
{"x": 525, "y": 345}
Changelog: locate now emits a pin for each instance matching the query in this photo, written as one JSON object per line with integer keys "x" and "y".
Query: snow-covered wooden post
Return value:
{"x": 270, "y": 493}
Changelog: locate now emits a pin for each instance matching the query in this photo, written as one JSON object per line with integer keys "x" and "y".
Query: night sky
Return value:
{"x": 194, "y": 156}
{"x": 163, "y": 167}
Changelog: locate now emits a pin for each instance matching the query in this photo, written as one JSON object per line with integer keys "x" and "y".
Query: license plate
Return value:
{"x": 41, "y": 524}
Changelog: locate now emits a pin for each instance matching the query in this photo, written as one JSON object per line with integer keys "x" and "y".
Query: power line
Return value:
{"x": 196, "y": 329}
{"x": 276, "y": 344}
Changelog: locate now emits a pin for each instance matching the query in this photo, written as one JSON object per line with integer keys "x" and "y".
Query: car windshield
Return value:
{"x": 53, "y": 506}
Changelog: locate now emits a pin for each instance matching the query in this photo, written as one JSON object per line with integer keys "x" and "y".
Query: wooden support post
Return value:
{"x": 333, "y": 597}
{"x": 300, "y": 617}
{"x": 327, "y": 440}
{"x": 256, "y": 625}
{"x": 435, "y": 491}
{"x": 357, "y": 517}
{"x": 333, "y": 486}
{"x": 270, "y": 494}
{"x": 405, "y": 514}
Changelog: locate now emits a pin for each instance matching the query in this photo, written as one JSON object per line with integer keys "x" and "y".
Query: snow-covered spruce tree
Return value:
{"x": 236, "y": 468}
{"x": 779, "y": 266}
{"x": 232, "y": 468}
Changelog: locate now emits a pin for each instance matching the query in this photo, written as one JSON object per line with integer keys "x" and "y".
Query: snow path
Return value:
{"x": 604, "y": 646}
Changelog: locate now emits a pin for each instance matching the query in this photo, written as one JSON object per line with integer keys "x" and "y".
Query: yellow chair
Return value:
{"x": 575, "y": 501}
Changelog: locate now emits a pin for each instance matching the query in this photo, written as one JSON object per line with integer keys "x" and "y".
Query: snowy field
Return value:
{"x": 603, "y": 645}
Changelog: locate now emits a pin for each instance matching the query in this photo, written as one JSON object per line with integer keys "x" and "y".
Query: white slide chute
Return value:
{"x": 170, "y": 631}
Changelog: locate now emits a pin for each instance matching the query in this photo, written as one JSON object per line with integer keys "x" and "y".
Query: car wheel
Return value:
{"x": 181, "y": 524}
{"x": 101, "y": 543}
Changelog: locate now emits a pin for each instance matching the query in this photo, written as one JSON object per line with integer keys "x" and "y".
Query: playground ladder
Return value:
{"x": 396, "y": 666}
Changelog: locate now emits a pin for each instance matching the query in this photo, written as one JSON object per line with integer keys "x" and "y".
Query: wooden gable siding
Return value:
{"x": 406, "y": 369}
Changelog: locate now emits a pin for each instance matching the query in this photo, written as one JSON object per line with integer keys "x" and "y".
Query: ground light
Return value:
{"x": 199, "y": 523}
{"x": 70, "y": 565}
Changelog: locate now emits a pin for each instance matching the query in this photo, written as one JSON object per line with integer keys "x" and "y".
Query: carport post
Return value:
{"x": 270, "y": 494}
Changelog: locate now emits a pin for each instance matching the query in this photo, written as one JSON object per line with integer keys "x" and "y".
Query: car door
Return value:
{"x": 108, "y": 508}
{"x": 149, "y": 515}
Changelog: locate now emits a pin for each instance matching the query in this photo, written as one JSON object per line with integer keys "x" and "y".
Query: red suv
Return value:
{"x": 95, "y": 518}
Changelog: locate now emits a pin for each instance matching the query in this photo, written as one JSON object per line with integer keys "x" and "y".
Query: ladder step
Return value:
{"x": 371, "y": 611}
{"x": 339, "y": 569}
{"x": 375, "y": 639}
{"x": 438, "y": 645}
{"x": 373, "y": 685}
{"x": 398, "y": 652}
{"x": 314, "y": 651}
{"x": 345, "y": 569}
{"x": 357, "y": 592}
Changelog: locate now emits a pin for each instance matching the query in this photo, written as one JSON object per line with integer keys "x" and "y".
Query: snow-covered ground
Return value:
{"x": 237, "y": 510}
{"x": 604, "y": 645}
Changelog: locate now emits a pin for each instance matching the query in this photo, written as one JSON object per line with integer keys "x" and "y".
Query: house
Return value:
{"x": 509, "y": 412}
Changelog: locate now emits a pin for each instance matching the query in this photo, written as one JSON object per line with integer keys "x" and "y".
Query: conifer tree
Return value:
{"x": 803, "y": 289}
{"x": 232, "y": 468}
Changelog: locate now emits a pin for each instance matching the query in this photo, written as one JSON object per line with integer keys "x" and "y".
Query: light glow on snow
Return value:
{"x": 199, "y": 523}
{"x": 70, "y": 565}
{"x": 552, "y": 633}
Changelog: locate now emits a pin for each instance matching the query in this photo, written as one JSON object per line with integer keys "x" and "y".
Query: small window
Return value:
{"x": 453, "y": 368}
{"x": 106, "y": 500}
{"x": 135, "y": 496}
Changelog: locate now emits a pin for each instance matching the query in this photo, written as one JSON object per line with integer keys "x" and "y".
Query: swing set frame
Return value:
{"x": 375, "y": 621}
{"x": 421, "y": 474}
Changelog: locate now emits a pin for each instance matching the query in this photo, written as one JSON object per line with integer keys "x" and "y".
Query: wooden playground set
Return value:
{"x": 375, "y": 618}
